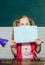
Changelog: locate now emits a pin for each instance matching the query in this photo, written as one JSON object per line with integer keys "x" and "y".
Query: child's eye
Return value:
{"x": 22, "y": 24}
{"x": 27, "y": 23}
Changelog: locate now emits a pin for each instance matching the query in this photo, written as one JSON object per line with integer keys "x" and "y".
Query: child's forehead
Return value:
{"x": 24, "y": 19}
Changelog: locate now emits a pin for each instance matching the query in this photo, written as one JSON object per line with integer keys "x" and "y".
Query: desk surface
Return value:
{"x": 22, "y": 62}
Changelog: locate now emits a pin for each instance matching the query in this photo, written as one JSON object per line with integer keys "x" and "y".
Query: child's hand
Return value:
{"x": 13, "y": 44}
{"x": 38, "y": 45}
{"x": 38, "y": 42}
{"x": 13, "y": 47}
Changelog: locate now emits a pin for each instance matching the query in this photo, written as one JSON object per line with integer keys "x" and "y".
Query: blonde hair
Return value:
{"x": 15, "y": 23}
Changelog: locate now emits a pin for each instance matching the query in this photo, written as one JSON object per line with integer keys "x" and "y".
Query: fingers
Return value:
{"x": 13, "y": 43}
{"x": 38, "y": 41}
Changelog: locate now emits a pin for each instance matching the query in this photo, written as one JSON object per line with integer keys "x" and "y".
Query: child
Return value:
{"x": 35, "y": 47}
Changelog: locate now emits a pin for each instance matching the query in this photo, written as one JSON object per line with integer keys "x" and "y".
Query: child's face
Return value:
{"x": 24, "y": 22}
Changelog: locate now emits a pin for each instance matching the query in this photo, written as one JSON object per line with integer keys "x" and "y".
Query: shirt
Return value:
{"x": 26, "y": 50}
